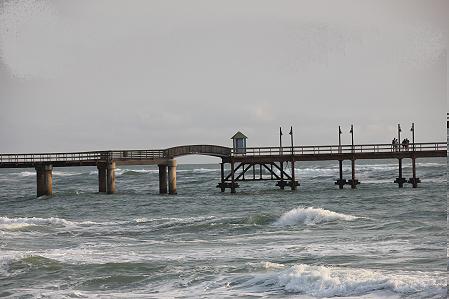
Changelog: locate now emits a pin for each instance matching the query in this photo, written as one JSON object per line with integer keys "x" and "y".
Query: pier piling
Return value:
{"x": 162, "y": 179}
{"x": 111, "y": 178}
{"x": 222, "y": 172}
{"x": 400, "y": 180}
{"x": 44, "y": 179}
{"x": 232, "y": 177}
{"x": 414, "y": 180}
{"x": 354, "y": 182}
{"x": 172, "y": 177}
{"x": 102, "y": 177}
{"x": 340, "y": 182}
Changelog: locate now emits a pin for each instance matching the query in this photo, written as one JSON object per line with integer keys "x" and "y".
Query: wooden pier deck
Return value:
{"x": 269, "y": 161}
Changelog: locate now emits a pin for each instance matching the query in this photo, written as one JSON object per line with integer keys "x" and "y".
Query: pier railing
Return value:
{"x": 336, "y": 149}
{"x": 82, "y": 156}
{"x": 213, "y": 150}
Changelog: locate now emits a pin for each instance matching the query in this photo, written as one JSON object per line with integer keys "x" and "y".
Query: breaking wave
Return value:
{"x": 321, "y": 281}
{"x": 7, "y": 223}
{"x": 311, "y": 216}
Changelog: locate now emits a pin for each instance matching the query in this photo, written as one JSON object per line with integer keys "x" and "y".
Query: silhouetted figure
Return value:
{"x": 395, "y": 144}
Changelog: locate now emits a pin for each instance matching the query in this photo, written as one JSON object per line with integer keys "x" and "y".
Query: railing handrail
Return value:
{"x": 218, "y": 150}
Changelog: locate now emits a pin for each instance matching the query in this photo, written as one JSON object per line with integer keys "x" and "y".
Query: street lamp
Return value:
{"x": 339, "y": 139}
{"x": 413, "y": 135}
{"x": 280, "y": 141}
{"x": 291, "y": 136}
{"x": 352, "y": 137}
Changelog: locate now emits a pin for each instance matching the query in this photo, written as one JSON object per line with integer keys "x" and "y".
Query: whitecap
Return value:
{"x": 323, "y": 281}
{"x": 34, "y": 221}
{"x": 311, "y": 216}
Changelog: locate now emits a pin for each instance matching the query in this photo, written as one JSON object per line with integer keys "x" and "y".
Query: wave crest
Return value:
{"x": 311, "y": 216}
{"x": 323, "y": 281}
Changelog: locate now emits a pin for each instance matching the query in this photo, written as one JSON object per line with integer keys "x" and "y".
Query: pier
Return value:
{"x": 275, "y": 164}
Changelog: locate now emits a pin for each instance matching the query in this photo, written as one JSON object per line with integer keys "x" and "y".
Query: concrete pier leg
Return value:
{"x": 102, "y": 178}
{"x": 172, "y": 177}
{"x": 222, "y": 187}
{"x": 44, "y": 180}
{"x": 400, "y": 180}
{"x": 354, "y": 181}
{"x": 282, "y": 185}
{"x": 340, "y": 167}
{"x": 415, "y": 180}
{"x": 232, "y": 178}
{"x": 162, "y": 179}
{"x": 111, "y": 178}
{"x": 293, "y": 182}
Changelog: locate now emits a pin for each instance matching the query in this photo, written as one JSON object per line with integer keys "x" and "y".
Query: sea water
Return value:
{"x": 378, "y": 241}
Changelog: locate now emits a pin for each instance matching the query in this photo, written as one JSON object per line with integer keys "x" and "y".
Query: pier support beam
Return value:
{"x": 172, "y": 177}
{"x": 414, "y": 180}
{"x": 222, "y": 172}
{"x": 44, "y": 179}
{"x": 293, "y": 183}
{"x": 162, "y": 179}
{"x": 281, "y": 183}
{"x": 102, "y": 177}
{"x": 400, "y": 180}
{"x": 111, "y": 178}
{"x": 232, "y": 177}
{"x": 340, "y": 182}
{"x": 353, "y": 181}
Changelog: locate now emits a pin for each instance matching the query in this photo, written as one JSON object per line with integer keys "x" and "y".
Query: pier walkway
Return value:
{"x": 252, "y": 164}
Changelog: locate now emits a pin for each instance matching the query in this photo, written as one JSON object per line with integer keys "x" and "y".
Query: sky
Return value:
{"x": 97, "y": 75}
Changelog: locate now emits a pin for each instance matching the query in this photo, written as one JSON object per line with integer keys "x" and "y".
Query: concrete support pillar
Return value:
{"x": 293, "y": 182}
{"x": 353, "y": 181}
{"x": 340, "y": 168}
{"x": 232, "y": 177}
{"x": 102, "y": 177}
{"x": 414, "y": 181}
{"x": 282, "y": 184}
{"x": 44, "y": 180}
{"x": 172, "y": 177}
{"x": 400, "y": 180}
{"x": 111, "y": 178}
{"x": 222, "y": 172}
{"x": 162, "y": 179}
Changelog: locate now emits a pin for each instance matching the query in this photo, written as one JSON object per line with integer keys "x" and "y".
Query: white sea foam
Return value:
{"x": 311, "y": 216}
{"x": 55, "y": 173}
{"x": 321, "y": 281}
{"x": 205, "y": 170}
{"x": 7, "y": 223}
{"x": 120, "y": 172}
{"x": 35, "y": 221}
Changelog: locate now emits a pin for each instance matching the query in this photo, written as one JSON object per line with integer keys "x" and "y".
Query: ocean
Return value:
{"x": 377, "y": 241}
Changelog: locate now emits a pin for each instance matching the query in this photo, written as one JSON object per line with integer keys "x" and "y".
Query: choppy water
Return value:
{"x": 376, "y": 241}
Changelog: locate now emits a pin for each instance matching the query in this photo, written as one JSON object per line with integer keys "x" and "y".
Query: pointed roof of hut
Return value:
{"x": 239, "y": 135}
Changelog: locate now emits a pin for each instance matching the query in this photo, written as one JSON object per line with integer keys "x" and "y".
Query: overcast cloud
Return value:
{"x": 90, "y": 74}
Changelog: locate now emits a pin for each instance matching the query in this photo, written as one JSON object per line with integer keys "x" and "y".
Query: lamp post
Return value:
{"x": 280, "y": 141}
{"x": 399, "y": 137}
{"x": 413, "y": 135}
{"x": 291, "y": 137}
{"x": 293, "y": 183}
{"x": 339, "y": 139}
{"x": 352, "y": 137}
{"x": 353, "y": 181}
